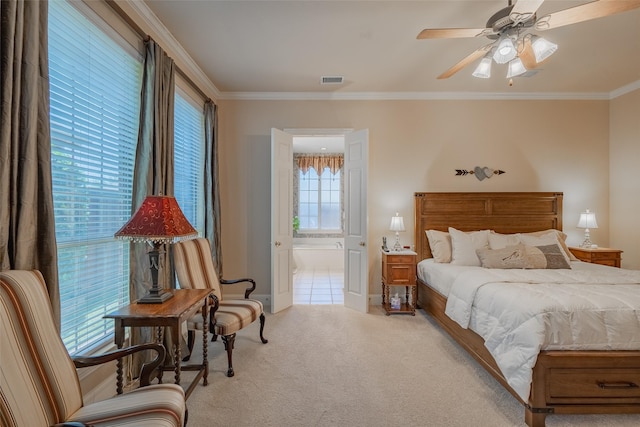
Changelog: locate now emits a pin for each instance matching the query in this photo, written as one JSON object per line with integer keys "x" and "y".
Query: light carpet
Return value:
{"x": 327, "y": 365}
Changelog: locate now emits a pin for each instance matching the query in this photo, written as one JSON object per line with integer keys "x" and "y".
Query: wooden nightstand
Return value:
{"x": 399, "y": 269}
{"x": 603, "y": 256}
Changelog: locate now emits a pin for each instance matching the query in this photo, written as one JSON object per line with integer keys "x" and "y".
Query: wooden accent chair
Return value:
{"x": 39, "y": 385}
{"x": 195, "y": 270}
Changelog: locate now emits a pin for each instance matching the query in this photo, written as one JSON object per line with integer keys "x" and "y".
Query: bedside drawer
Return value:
{"x": 622, "y": 385}
{"x": 400, "y": 259}
{"x": 604, "y": 256}
{"x": 401, "y": 275}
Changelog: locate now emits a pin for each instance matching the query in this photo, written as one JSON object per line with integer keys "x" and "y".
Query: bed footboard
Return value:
{"x": 564, "y": 382}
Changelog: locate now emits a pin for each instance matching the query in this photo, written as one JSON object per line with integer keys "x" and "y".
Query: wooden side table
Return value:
{"x": 399, "y": 269}
{"x": 172, "y": 313}
{"x": 603, "y": 256}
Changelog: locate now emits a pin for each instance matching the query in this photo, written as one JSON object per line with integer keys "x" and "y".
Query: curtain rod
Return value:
{"x": 145, "y": 37}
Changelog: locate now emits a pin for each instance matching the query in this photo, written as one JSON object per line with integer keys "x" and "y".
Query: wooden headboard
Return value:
{"x": 502, "y": 212}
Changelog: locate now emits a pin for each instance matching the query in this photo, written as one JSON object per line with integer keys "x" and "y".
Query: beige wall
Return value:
{"x": 624, "y": 162}
{"x": 416, "y": 146}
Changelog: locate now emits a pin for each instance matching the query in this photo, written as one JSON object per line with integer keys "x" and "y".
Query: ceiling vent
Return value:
{"x": 332, "y": 80}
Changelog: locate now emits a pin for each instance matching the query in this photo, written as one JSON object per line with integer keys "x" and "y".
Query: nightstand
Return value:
{"x": 399, "y": 269}
{"x": 603, "y": 256}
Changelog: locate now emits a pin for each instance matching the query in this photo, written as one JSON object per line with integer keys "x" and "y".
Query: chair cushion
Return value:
{"x": 159, "y": 405}
{"x": 232, "y": 315}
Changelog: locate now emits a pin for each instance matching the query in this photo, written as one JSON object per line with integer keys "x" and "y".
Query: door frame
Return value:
{"x": 294, "y": 132}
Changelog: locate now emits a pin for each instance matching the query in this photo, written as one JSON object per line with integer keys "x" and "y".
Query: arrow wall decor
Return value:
{"x": 480, "y": 172}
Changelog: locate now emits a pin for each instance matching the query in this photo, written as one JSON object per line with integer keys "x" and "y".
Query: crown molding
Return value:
{"x": 625, "y": 89}
{"x": 408, "y": 96}
{"x": 164, "y": 37}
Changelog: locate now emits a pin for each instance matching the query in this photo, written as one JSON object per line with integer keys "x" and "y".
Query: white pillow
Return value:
{"x": 501, "y": 241}
{"x": 440, "y": 244}
{"x": 464, "y": 246}
{"x": 550, "y": 238}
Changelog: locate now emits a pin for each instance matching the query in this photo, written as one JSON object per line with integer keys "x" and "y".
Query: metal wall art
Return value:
{"x": 480, "y": 172}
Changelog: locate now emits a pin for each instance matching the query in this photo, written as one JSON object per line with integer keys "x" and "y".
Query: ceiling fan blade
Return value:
{"x": 452, "y": 33}
{"x": 585, "y": 12}
{"x": 466, "y": 61}
{"x": 524, "y": 10}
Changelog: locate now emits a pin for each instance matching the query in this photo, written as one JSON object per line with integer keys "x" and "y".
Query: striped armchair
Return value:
{"x": 39, "y": 385}
{"x": 195, "y": 270}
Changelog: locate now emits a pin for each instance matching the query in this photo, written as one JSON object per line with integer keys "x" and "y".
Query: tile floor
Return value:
{"x": 318, "y": 286}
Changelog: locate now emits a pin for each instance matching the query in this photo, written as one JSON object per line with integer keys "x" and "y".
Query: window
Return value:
{"x": 189, "y": 159}
{"x": 319, "y": 206}
{"x": 95, "y": 85}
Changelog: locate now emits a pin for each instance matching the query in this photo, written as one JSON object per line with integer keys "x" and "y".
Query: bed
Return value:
{"x": 561, "y": 381}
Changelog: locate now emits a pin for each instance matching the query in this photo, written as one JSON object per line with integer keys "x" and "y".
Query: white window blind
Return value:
{"x": 95, "y": 90}
{"x": 189, "y": 159}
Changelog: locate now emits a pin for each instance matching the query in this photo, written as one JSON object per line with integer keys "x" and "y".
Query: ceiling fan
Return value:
{"x": 513, "y": 43}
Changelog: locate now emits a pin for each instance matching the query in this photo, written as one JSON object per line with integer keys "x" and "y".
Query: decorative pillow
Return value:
{"x": 440, "y": 244}
{"x": 464, "y": 246}
{"x": 499, "y": 241}
{"x": 562, "y": 239}
{"x": 543, "y": 240}
{"x": 523, "y": 256}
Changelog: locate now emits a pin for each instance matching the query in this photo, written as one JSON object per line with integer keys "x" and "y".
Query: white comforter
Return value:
{"x": 520, "y": 312}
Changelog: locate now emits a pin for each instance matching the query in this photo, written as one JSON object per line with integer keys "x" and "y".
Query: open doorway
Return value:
{"x": 356, "y": 154}
{"x": 318, "y": 208}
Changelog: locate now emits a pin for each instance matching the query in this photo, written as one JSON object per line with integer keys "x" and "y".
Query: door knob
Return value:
{"x": 361, "y": 243}
{"x": 278, "y": 243}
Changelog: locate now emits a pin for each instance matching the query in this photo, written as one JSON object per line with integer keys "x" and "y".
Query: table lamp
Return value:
{"x": 397, "y": 225}
{"x": 157, "y": 221}
{"x": 587, "y": 221}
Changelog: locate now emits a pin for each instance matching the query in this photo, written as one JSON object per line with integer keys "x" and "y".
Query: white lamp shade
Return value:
{"x": 483, "y": 70}
{"x": 587, "y": 220}
{"x": 505, "y": 52}
{"x": 516, "y": 68}
{"x": 542, "y": 48}
{"x": 397, "y": 223}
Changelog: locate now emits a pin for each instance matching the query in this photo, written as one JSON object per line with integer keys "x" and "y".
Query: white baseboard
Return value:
{"x": 374, "y": 299}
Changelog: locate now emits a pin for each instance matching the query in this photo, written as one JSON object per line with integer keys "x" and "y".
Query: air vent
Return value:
{"x": 331, "y": 80}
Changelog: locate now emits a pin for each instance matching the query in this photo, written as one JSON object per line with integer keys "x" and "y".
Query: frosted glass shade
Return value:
{"x": 505, "y": 52}
{"x": 483, "y": 70}
{"x": 516, "y": 68}
{"x": 542, "y": 48}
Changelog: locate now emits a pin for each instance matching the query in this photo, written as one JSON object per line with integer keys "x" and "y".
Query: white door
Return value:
{"x": 281, "y": 220}
{"x": 356, "y": 287}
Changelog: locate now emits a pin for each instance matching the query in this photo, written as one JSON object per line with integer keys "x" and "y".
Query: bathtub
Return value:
{"x": 323, "y": 252}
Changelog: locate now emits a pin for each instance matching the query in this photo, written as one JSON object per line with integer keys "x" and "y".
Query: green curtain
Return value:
{"x": 212, "y": 225}
{"x": 27, "y": 225}
{"x": 153, "y": 175}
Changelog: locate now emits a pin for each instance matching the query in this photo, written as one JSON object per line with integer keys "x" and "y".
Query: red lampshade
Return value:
{"x": 159, "y": 220}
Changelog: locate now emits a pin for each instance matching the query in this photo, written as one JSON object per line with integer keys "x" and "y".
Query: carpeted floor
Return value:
{"x": 326, "y": 365}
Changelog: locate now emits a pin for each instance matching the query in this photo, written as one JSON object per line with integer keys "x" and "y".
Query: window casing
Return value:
{"x": 95, "y": 88}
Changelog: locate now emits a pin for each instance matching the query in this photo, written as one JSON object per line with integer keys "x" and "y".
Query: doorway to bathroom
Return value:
{"x": 318, "y": 224}
{"x": 354, "y": 218}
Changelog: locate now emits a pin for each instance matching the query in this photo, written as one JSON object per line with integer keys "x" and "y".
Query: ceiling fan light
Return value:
{"x": 516, "y": 68}
{"x": 505, "y": 52}
{"x": 542, "y": 48}
{"x": 483, "y": 70}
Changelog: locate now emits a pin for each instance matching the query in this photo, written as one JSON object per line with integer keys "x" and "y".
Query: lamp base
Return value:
{"x": 587, "y": 244}
{"x": 397, "y": 247}
{"x": 155, "y": 296}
